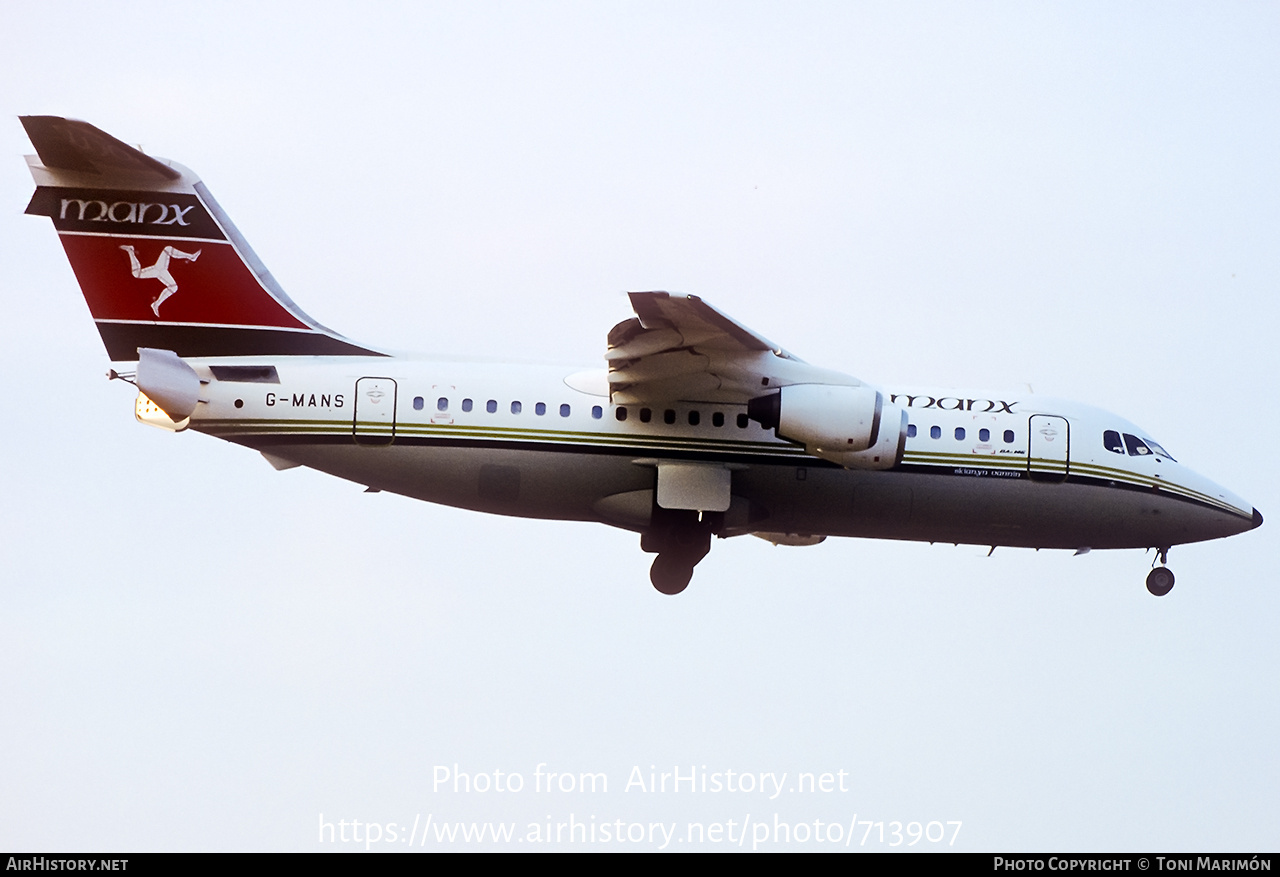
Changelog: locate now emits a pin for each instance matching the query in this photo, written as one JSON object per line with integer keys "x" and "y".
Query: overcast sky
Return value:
{"x": 200, "y": 653}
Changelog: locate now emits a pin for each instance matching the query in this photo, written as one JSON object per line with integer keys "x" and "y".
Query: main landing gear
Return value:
{"x": 680, "y": 539}
{"x": 1160, "y": 579}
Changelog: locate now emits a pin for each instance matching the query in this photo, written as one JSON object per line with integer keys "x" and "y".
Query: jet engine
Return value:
{"x": 852, "y": 426}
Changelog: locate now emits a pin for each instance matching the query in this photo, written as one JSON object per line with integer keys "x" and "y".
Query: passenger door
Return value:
{"x": 374, "y": 422}
{"x": 1048, "y": 447}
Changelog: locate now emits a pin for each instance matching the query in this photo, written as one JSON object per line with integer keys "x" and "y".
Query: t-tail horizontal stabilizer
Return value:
{"x": 159, "y": 263}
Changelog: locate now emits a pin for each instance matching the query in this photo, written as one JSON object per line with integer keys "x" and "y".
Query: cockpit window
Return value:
{"x": 1159, "y": 451}
{"x": 1111, "y": 441}
{"x": 1136, "y": 446}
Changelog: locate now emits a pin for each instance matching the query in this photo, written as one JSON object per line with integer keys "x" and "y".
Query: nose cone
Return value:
{"x": 1221, "y": 513}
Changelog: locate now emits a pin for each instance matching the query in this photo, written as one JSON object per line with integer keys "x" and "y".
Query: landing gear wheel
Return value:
{"x": 669, "y": 574}
{"x": 1160, "y": 581}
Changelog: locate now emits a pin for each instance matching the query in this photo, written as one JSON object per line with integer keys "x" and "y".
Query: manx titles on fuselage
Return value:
{"x": 696, "y": 426}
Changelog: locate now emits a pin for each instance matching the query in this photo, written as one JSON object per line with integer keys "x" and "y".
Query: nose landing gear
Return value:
{"x": 1160, "y": 579}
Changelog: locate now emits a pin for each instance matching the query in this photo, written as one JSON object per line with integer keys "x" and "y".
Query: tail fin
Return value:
{"x": 160, "y": 264}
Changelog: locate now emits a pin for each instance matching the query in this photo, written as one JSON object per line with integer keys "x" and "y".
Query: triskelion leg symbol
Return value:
{"x": 160, "y": 271}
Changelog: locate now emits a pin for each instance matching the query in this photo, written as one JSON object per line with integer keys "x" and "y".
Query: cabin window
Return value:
{"x": 564, "y": 410}
{"x": 984, "y": 435}
{"x": 959, "y": 433}
{"x": 466, "y": 404}
{"x": 645, "y": 415}
{"x": 717, "y": 419}
{"x": 743, "y": 420}
{"x": 1137, "y": 447}
{"x": 1111, "y": 441}
{"x": 935, "y": 432}
{"x": 491, "y": 406}
{"x": 442, "y": 404}
{"x": 516, "y": 407}
{"x": 694, "y": 418}
{"x": 596, "y": 412}
{"x": 911, "y": 430}
{"x": 620, "y": 413}
{"x": 540, "y": 409}
{"x": 418, "y": 403}
{"x": 1008, "y": 436}
{"x": 668, "y": 416}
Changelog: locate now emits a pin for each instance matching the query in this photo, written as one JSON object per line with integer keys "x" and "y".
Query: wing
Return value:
{"x": 679, "y": 348}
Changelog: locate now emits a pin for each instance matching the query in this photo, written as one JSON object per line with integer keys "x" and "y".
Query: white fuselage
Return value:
{"x": 697, "y": 427}
{"x": 545, "y": 441}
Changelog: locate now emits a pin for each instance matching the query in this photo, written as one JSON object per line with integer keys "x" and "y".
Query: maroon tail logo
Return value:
{"x": 159, "y": 271}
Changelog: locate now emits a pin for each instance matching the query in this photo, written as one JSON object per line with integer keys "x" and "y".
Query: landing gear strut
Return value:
{"x": 1160, "y": 579}
{"x": 680, "y": 539}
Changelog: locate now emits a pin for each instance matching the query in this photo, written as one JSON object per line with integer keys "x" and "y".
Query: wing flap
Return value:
{"x": 630, "y": 340}
{"x": 660, "y": 366}
{"x": 679, "y": 348}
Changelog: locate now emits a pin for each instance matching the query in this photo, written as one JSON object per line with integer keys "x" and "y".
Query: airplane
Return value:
{"x": 696, "y": 427}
